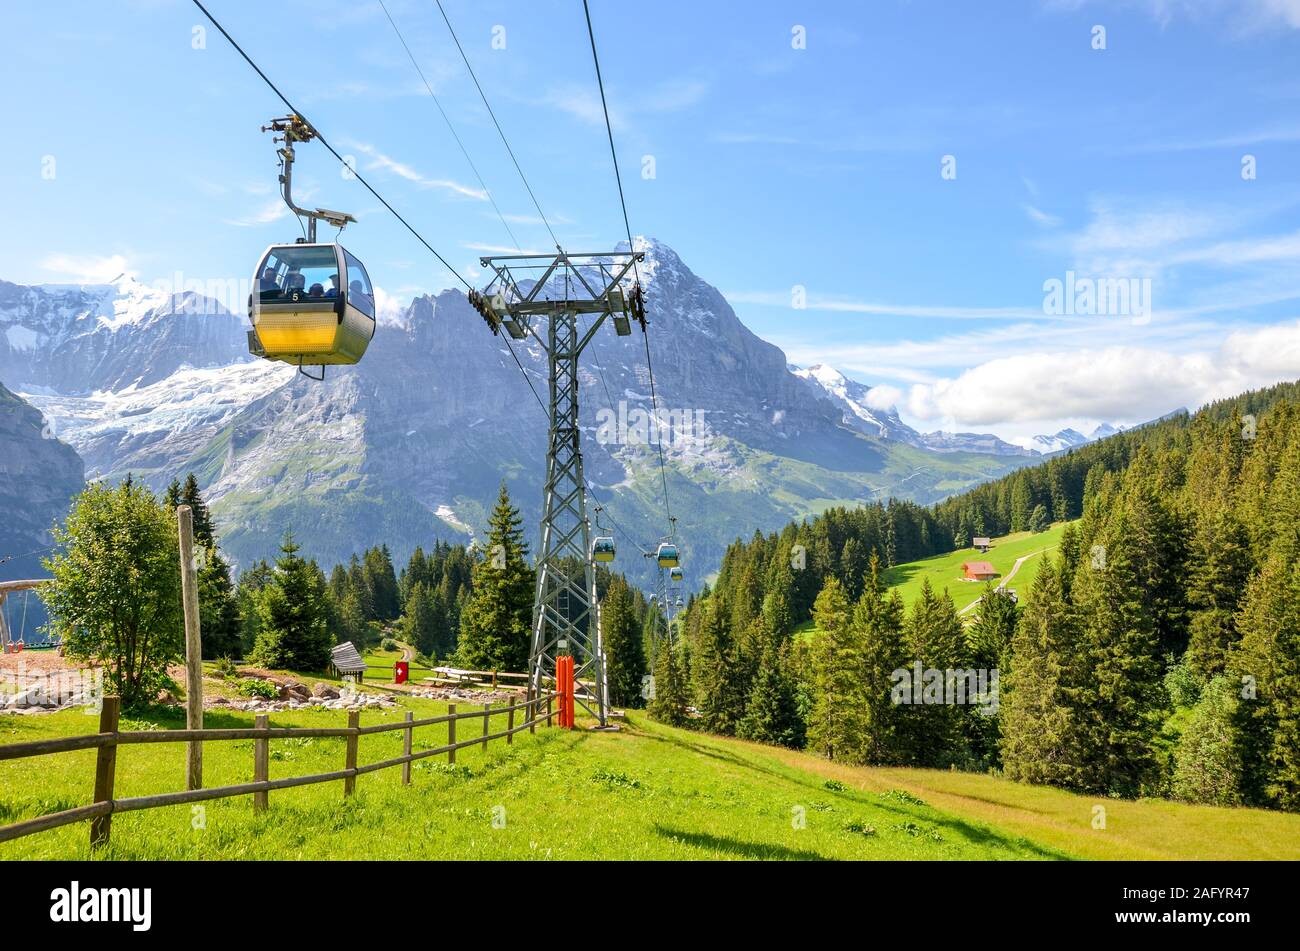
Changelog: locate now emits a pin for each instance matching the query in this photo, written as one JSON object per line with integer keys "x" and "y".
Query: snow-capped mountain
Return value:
{"x": 859, "y": 411}
{"x": 76, "y": 339}
{"x": 855, "y": 401}
{"x": 410, "y": 444}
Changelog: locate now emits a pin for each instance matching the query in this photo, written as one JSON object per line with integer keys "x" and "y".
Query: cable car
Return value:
{"x": 602, "y": 549}
{"x": 667, "y": 555}
{"x": 312, "y": 305}
{"x": 675, "y": 574}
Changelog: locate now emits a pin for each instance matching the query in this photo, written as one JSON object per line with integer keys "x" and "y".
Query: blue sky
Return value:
{"x": 776, "y": 168}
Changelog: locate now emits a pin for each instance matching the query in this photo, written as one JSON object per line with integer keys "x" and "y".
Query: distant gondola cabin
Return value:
{"x": 667, "y": 555}
{"x": 602, "y": 549}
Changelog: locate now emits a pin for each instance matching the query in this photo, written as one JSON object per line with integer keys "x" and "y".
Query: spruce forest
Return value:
{"x": 1156, "y": 654}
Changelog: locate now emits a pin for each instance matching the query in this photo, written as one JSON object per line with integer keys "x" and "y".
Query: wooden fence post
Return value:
{"x": 354, "y": 723}
{"x": 451, "y": 733}
{"x": 487, "y": 713}
{"x": 532, "y": 712}
{"x": 406, "y": 748}
{"x": 548, "y": 711}
{"x": 261, "y": 762}
{"x": 510, "y": 726}
{"x": 105, "y": 771}
{"x": 193, "y": 646}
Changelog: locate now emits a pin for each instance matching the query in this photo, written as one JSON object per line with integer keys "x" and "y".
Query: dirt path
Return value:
{"x": 1010, "y": 574}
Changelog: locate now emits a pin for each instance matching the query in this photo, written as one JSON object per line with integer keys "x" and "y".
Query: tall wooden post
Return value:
{"x": 105, "y": 771}
{"x": 261, "y": 762}
{"x": 193, "y": 646}
{"x": 354, "y": 723}
{"x": 406, "y": 749}
{"x": 451, "y": 733}
{"x": 487, "y": 713}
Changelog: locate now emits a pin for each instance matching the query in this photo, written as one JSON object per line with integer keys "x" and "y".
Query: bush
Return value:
{"x": 1207, "y": 765}
{"x": 116, "y": 593}
{"x": 256, "y": 687}
{"x": 388, "y": 644}
{"x": 224, "y": 668}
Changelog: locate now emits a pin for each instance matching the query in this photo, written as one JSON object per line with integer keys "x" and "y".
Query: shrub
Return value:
{"x": 116, "y": 593}
{"x": 256, "y": 687}
{"x": 1207, "y": 765}
{"x": 388, "y": 644}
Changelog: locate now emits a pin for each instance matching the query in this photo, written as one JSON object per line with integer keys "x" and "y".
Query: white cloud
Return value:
{"x": 1040, "y": 217}
{"x": 1125, "y": 383}
{"x": 498, "y": 248}
{"x": 883, "y": 397}
{"x": 378, "y": 160}
{"x": 1244, "y": 15}
{"x": 87, "y": 269}
{"x": 273, "y": 210}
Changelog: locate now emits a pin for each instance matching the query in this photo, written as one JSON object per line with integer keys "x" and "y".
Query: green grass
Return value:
{"x": 377, "y": 657}
{"x": 645, "y": 792}
{"x": 944, "y": 571}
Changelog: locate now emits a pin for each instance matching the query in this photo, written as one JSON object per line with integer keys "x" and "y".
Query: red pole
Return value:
{"x": 566, "y": 697}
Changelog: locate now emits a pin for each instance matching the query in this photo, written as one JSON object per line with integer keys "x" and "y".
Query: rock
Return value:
{"x": 325, "y": 690}
{"x": 294, "y": 691}
{"x": 166, "y": 698}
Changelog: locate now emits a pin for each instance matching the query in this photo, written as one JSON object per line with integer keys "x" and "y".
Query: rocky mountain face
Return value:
{"x": 411, "y": 444}
{"x": 75, "y": 340}
{"x": 39, "y": 475}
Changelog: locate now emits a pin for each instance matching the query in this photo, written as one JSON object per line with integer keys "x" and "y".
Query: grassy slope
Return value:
{"x": 645, "y": 792}
{"x": 944, "y": 571}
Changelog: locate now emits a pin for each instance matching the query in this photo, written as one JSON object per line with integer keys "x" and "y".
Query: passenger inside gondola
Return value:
{"x": 334, "y": 287}
{"x": 268, "y": 286}
{"x": 316, "y": 292}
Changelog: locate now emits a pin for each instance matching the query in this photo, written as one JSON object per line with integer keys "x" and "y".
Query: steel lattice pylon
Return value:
{"x": 565, "y": 612}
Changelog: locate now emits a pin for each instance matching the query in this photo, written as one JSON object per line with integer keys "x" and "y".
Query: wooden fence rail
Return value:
{"x": 109, "y": 738}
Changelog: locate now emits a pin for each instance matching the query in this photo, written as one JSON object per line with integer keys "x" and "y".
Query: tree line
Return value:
{"x": 115, "y": 597}
{"x": 1157, "y": 652}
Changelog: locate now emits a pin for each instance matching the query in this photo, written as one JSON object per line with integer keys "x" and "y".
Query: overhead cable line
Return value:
{"x": 493, "y": 115}
{"x": 618, "y": 177}
{"x": 451, "y": 128}
{"x": 357, "y": 175}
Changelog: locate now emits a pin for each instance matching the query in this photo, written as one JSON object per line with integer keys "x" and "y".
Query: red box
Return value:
{"x": 401, "y": 671}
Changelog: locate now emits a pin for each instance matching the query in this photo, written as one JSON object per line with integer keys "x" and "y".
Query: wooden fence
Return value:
{"x": 109, "y": 738}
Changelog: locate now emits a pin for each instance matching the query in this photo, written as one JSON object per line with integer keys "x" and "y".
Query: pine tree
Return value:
{"x": 778, "y": 613}
{"x": 837, "y": 728}
{"x": 772, "y": 713}
{"x": 1021, "y": 502}
{"x": 496, "y": 623}
{"x": 220, "y": 620}
{"x": 294, "y": 631}
{"x": 381, "y": 579}
{"x": 1266, "y": 670}
{"x": 879, "y": 618}
{"x": 719, "y": 693}
{"x": 1038, "y": 519}
{"x": 418, "y": 624}
{"x": 852, "y": 565}
{"x": 934, "y": 637}
{"x": 668, "y": 705}
{"x": 1034, "y": 710}
{"x": 1220, "y": 570}
{"x": 623, "y": 646}
{"x": 1116, "y": 694}
{"x": 203, "y": 530}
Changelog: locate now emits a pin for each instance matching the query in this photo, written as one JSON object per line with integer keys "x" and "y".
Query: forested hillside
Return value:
{"x": 1158, "y": 653}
